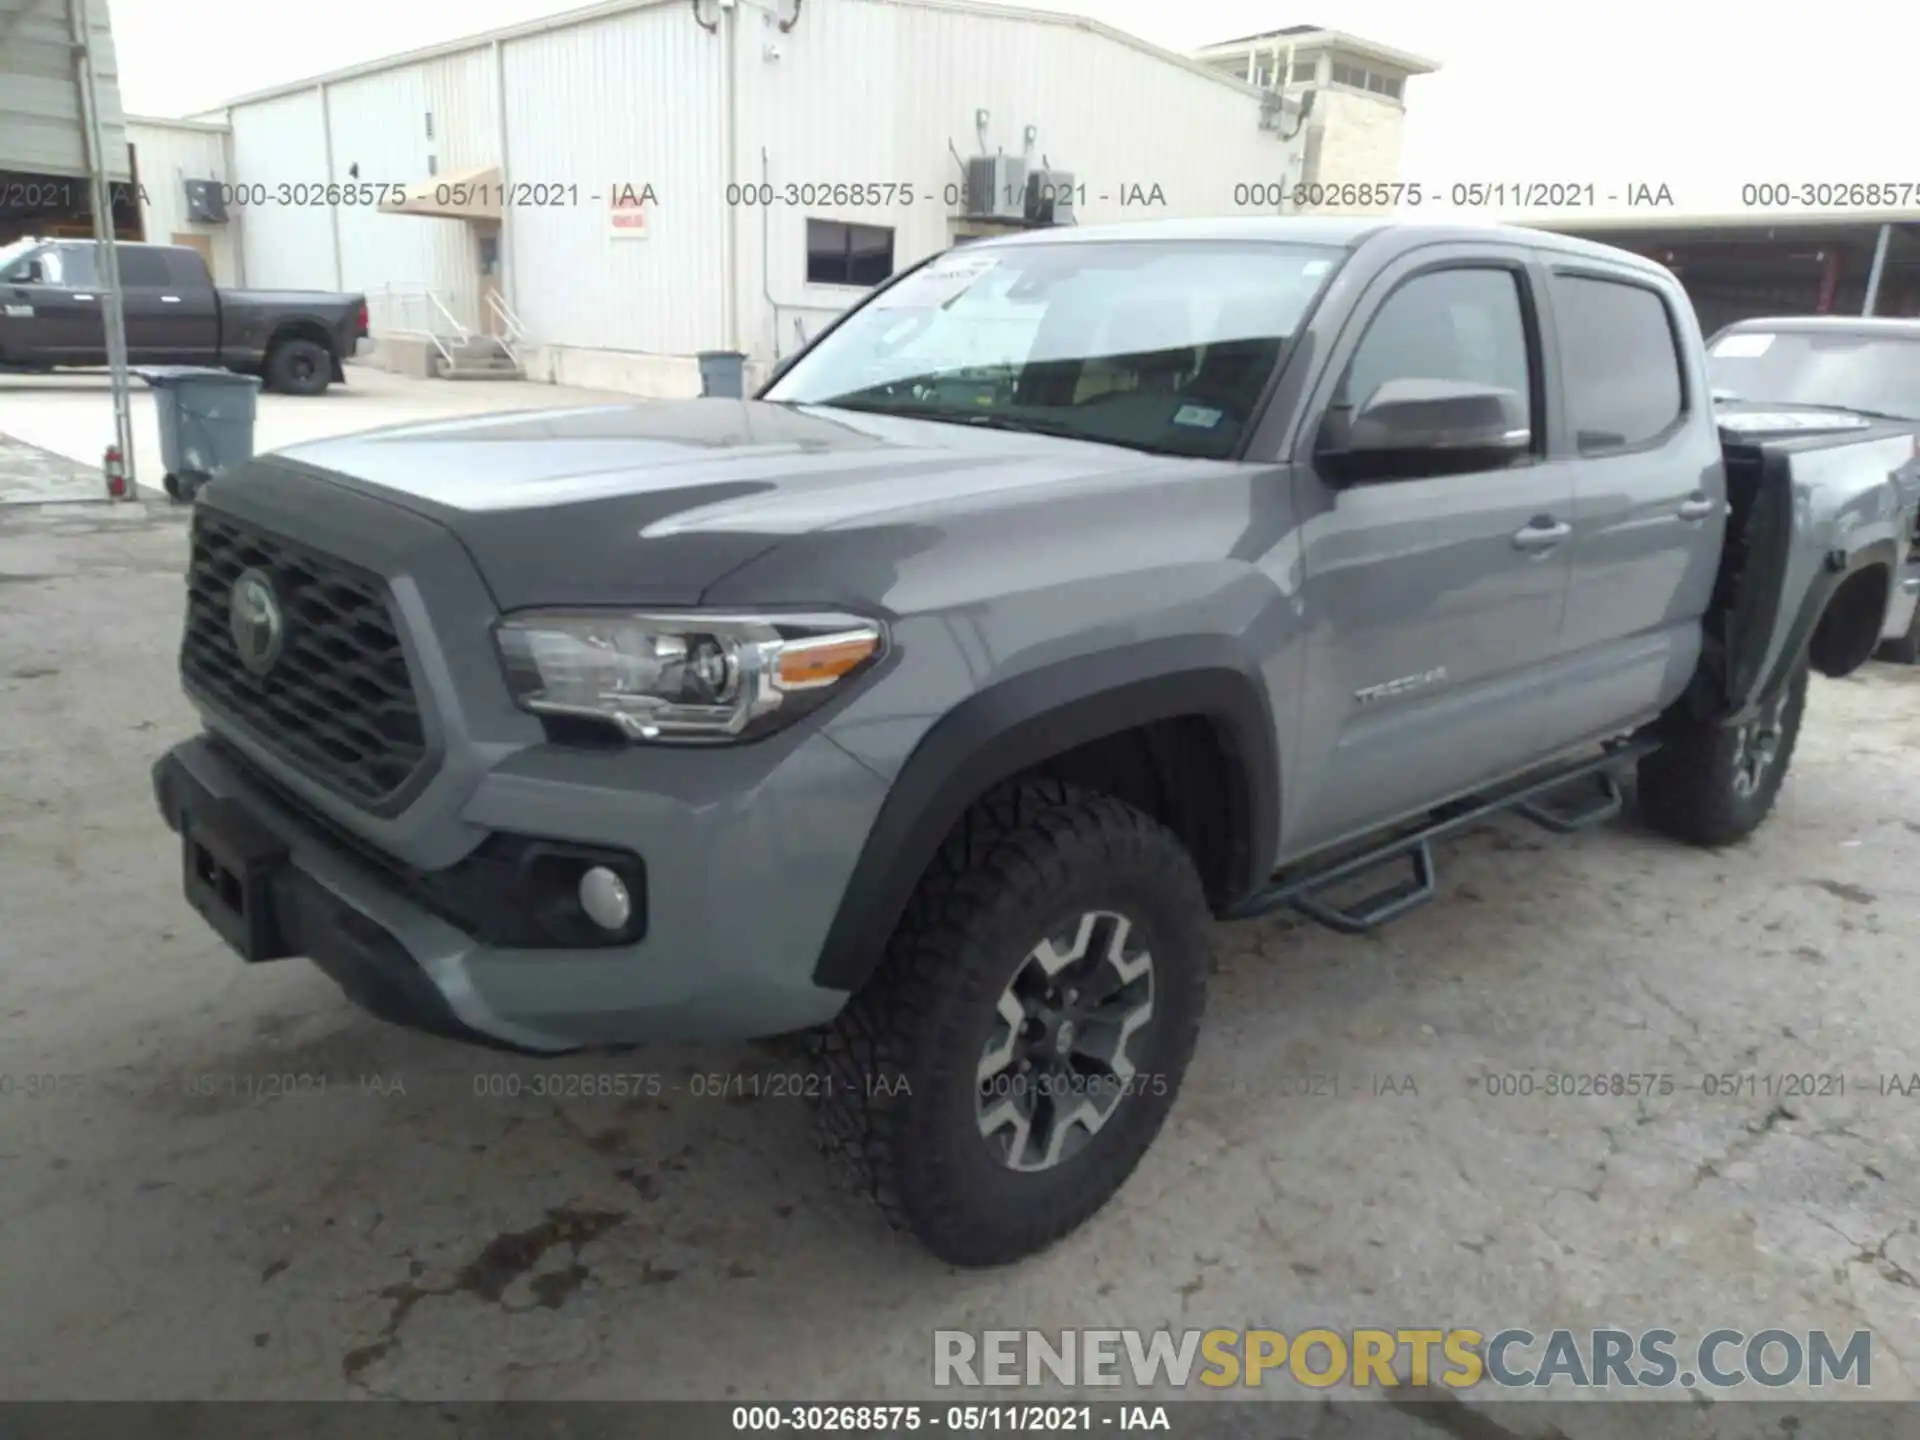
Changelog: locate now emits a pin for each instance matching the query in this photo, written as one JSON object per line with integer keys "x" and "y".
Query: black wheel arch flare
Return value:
{"x": 1021, "y": 722}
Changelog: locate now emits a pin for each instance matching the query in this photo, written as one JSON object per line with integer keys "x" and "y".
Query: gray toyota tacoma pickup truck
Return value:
{"x": 1072, "y": 589}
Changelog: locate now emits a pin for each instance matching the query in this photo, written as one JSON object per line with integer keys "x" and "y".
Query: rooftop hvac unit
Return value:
{"x": 1050, "y": 197}
{"x": 205, "y": 204}
{"x": 996, "y": 188}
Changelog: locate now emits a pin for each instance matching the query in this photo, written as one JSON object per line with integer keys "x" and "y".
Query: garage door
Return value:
{"x": 40, "y": 118}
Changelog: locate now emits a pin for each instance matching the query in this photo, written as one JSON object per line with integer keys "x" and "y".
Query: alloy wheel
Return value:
{"x": 1757, "y": 746}
{"x": 1060, "y": 1061}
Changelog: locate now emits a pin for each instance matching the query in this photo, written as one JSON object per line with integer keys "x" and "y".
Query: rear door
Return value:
{"x": 169, "y": 306}
{"x": 1649, "y": 506}
{"x": 1435, "y": 602}
{"x": 143, "y": 283}
{"x": 192, "y": 309}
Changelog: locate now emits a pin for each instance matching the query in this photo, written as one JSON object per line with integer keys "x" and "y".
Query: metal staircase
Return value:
{"x": 458, "y": 351}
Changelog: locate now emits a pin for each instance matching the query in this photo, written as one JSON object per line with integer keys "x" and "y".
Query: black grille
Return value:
{"x": 338, "y": 702}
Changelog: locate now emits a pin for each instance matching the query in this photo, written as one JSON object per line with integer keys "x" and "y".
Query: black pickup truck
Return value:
{"x": 51, "y": 316}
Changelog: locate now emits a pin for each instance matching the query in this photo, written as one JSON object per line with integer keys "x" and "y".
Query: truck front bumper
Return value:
{"x": 738, "y": 895}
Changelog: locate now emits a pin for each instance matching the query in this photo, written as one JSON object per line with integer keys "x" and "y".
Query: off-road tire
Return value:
{"x": 1687, "y": 788}
{"x": 897, "y": 1104}
{"x": 1905, "y": 650}
{"x": 299, "y": 367}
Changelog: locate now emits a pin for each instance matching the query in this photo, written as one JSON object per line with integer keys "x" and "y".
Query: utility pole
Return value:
{"x": 112, "y": 314}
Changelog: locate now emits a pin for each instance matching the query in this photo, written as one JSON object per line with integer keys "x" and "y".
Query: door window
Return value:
{"x": 1622, "y": 363}
{"x": 70, "y": 267}
{"x": 142, "y": 268}
{"x": 1465, "y": 324}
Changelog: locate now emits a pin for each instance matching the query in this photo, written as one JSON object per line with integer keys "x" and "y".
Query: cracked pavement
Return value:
{"x": 225, "y": 1182}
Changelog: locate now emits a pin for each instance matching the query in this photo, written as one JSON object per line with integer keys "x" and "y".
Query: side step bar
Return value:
{"x": 1563, "y": 800}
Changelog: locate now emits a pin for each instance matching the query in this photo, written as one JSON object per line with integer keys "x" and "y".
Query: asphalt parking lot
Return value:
{"x": 223, "y": 1183}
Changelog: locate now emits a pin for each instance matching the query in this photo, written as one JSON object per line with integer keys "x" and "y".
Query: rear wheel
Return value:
{"x": 299, "y": 367}
{"x": 1714, "y": 784}
{"x": 1000, "y": 1077}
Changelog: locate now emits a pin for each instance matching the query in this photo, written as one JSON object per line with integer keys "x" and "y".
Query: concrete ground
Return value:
{"x": 223, "y": 1182}
{"x": 70, "y": 414}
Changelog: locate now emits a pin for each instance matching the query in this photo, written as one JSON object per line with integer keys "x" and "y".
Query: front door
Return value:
{"x": 58, "y": 316}
{"x": 1435, "y": 602}
{"x": 486, "y": 249}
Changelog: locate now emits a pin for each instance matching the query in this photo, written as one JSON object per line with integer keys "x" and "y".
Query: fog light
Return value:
{"x": 603, "y": 895}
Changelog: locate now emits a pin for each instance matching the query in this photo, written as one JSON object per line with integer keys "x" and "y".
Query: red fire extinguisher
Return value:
{"x": 116, "y": 471}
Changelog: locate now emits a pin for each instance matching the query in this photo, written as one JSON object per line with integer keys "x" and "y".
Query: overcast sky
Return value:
{"x": 1702, "y": 95}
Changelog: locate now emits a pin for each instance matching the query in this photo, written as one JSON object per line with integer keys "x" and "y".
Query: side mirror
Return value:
{"x": 781, "y": 368}
{"x": 1413, "y": 427}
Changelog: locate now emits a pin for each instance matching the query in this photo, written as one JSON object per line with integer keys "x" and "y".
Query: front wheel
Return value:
{"x": 1713, "y": 784}
{"x": 1004, "y": 1071}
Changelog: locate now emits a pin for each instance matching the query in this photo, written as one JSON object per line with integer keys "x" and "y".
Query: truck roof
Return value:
{"x": 1893, "y": 327}
{"x": 1344, "y": 230}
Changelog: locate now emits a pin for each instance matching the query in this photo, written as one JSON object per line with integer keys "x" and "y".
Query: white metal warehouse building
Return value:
{"x": 695, "y": 100}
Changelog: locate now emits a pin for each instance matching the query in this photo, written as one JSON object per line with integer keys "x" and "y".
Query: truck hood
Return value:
{"x": 651, "y": 503}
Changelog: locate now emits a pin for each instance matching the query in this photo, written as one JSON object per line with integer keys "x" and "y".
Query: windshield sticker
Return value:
{"x": 1743, "y": 347}
{"x": 941, "y": 283}
{"x": 1200, "y": 417}
{"x": 1315, "y": 268}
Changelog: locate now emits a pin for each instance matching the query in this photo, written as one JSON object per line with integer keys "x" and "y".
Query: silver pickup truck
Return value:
{"x": 1071, "y": 590}
{"x": 1816, "y": 366}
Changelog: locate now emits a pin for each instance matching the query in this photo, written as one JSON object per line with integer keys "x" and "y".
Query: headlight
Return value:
{"x": 687, "y": 676}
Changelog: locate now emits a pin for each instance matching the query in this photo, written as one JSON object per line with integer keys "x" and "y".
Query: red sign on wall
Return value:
{"x": 627, "y": 211}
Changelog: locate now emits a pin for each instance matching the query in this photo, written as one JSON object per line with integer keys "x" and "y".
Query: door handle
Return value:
{"x": 1542, "y": 533}
{"x": 78, "y": 296}
{"x": 169, "y": 299}
{"x": 1696, "y": 507}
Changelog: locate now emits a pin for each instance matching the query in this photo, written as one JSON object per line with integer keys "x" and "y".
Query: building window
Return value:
{"x": 843, "y": 254}
{"x": 1358, "y": 77}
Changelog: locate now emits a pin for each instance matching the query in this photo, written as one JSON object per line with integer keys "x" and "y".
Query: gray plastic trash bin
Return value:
{"x": 723, "y": 372}
{"x": 206, "y": 422}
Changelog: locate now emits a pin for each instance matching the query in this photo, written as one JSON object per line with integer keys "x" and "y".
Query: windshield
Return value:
{"x": 1878, "y": 374}
{"x": 1158, "y": 346}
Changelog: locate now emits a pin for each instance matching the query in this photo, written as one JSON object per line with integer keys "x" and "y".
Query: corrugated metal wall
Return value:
{"x": 40, "y": 129}
{"x": 169, "y": 156}
{"x": 867, "y": 91}
{"x": 275, "y": 142}
{"x": 635, "y": 99}
{"x": 380, "y": 123}
{"x": 861, "y": 91}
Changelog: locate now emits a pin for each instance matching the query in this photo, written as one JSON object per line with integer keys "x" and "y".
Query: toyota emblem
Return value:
{"x": 254, "y": 616}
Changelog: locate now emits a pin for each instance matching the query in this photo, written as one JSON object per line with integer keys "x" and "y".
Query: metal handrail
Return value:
{"x": 509, "y": 322}
{"x": 413, "y": 310}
